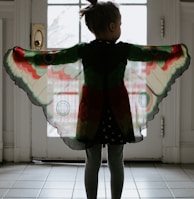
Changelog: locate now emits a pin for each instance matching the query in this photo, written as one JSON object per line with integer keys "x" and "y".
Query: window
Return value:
{"x": 65, "y": 29}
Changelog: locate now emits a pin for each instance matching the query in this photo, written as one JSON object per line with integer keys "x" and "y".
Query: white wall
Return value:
{"x": 187, "y": 86}
{"x": 16, "y": 106}
{"x": 1, "y": 90}
{"x": 6, "y": 15}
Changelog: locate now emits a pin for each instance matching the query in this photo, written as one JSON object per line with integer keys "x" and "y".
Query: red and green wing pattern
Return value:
{"x": 149, "y": 82}
{"x": 53, "y": 87}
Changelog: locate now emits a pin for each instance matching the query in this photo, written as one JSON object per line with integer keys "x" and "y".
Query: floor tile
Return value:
{"x": 20, "y": 193}
{"x": 79, "y": 185}
{"x": 127, "y": 193}
{"x": 37, "y": 169}
{"x": 151, "y": 193}
{"x": 187, "y": 193}
{"x": 32, "y": 177}
{"x": 28, "y": 185}
{"x": 59, "y": 185}
{"x": 47, "y": 193}
{"x": 9, "y": 177}
{"x": 3, "y": 192}
{"x": 66, "y": 181}
{"x": 130, "y": 193}
{"x": 79, "y": 193}
{"x": 179, "y": 185}
{"x": 16, "y": 168}
{"x": 147, "y": 178}
{"x": 151, "y": 185}
{"x": 129, "y": 185}
{"x": 21, "y": 198}
{"x": 159, "y": 198}
{"x": 6, "y": 184}
{"x": 52, "y": 198}
{"x": 176, "y": 177}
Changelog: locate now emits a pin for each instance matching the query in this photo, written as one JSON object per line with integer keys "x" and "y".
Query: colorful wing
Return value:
{"x": 56, "y": 88}
{"x": 53, "y": 87}
{"x": 149, "y": 82}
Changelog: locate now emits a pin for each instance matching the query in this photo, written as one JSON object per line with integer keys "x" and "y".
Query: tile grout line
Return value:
{"x": 156, "y": 168}
{"x": 44, "y": 182}
{"x": 183, "y": 169}
{"x": 130, "y": 168}
{"x": 11, "y": 177}
{"x": 72, "y": 197}
{"x": 16, "y": 180}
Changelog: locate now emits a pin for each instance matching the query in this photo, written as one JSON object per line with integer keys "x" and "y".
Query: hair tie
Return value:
{"x": 93, "y": 2}
{"x": 88, "y": 8}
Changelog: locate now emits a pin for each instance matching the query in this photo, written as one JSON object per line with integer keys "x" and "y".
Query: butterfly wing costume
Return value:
{"x": 82, "y": 87}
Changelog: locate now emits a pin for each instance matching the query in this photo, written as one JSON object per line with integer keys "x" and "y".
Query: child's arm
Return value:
{"x": 153, "y": 53}
{"x": 31, "y": 69}
{"x": 154, "y": 79}
{"x": 44, "y": 58}
{"x": 64, "y": 56}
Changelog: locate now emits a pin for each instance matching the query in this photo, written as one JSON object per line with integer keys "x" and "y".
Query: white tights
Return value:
{"x": 115, "y": 162}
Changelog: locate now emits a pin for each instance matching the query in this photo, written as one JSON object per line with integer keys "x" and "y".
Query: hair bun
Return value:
{"x": 93, "y": 2}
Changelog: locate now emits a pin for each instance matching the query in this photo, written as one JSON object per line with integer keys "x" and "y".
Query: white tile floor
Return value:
{"x": 53, "y": 181}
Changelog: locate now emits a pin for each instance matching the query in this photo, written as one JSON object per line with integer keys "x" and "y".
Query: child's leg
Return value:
{"x": 115, "y": 162}
{"x": 93, "y": 163}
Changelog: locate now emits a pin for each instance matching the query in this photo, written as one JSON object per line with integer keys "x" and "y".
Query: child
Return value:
{"x": 104, "y": 21}
{"x": 104, "y": 63}
{"x": 104, "y": 115}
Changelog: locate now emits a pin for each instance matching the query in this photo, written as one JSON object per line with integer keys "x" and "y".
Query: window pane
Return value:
{"x": 86, "y": 35}
{"x": 61, "y": 32}
{"x": 84, "y": 1}
{"x": 134, "y": 24}
{"x": 62, "y": 1}
{"x": 131, "y": 1}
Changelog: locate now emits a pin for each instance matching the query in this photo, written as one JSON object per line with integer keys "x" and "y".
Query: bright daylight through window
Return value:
{"x": 65, "y": 29}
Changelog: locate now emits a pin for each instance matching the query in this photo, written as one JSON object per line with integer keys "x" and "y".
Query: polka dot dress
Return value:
{"x": 108, "y": 131}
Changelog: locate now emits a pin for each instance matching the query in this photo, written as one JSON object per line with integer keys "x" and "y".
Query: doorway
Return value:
{"x": 52, "y": 147}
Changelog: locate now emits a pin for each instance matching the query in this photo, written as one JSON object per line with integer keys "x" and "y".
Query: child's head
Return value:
{"x": 103, "y": 19}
